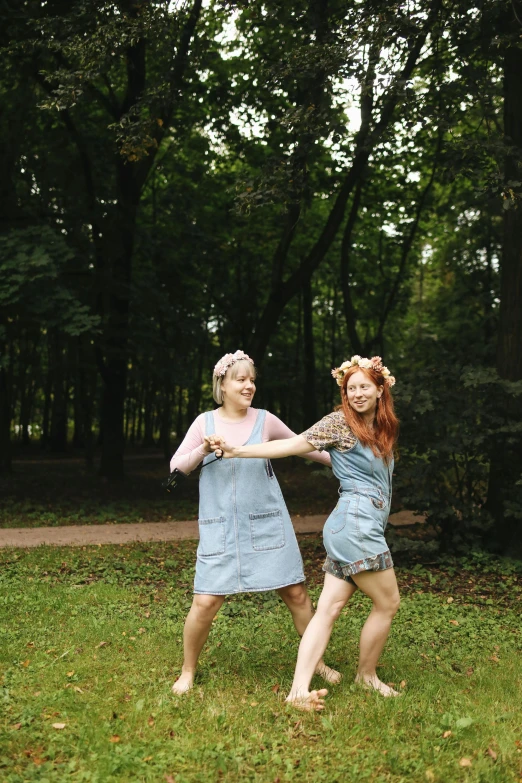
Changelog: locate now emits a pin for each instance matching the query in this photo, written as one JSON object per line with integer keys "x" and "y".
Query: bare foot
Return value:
{"x": 372, "y": 682}
{"x": 307, "y": 702}
{"x": 331, "y": 676}
{"x": 183, "y": 684}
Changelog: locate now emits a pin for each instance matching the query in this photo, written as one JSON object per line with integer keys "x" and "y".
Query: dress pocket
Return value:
{"x": 267, "y": 530}
{"x": 339, "y": 517}
{"x": 211, "y": 536}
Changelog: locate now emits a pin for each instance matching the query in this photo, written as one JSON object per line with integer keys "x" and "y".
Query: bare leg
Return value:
{"x": 197, "y": 627}
{"x": 336, "y": 592}
{"x": 381, "y": 587}
{"x": 298, "y": 602}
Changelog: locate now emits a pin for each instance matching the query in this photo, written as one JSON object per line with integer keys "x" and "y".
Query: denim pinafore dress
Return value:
{"x": 246, "y": 539}
{"x": 353, "y": 534}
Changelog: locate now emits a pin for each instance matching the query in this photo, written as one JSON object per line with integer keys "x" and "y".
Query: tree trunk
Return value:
{"x": 48, "y": 390}
{"x": 148, "y": 436}
{"x": 310, "y": 401}
{"x": 111, "y": 353}
{"x": 6, "y": 392}
{"x": 166, "y": 418}
{"x": 506, "y": 462}
{"x": 58, "y": 435}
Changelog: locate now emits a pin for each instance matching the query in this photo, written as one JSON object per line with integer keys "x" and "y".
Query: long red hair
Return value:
{"x": 381, "y": 439}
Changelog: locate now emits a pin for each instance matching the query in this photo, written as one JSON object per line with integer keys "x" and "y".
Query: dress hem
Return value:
{"x": 381, "y": 562}
{"x": 250, "y": 590}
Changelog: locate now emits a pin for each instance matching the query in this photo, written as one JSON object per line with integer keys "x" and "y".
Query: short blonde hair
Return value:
{"x": 232, "y": 372}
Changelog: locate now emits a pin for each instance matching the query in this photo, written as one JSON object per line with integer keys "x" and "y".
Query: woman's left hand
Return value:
{"x": 219, "y": 446}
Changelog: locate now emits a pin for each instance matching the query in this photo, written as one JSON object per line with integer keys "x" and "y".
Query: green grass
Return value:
{"x": 91, "y": 638}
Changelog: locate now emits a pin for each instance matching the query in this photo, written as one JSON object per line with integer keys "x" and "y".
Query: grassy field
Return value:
{"x": 55, "y": 492}
{"x": 91, "y": 643}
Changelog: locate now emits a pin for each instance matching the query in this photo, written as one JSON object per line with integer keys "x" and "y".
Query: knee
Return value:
{"x": 295, "y": 596}
{"x": 205, "y": 606}
{"x": 393, "y": 604}
{"x": 332, "y": 610}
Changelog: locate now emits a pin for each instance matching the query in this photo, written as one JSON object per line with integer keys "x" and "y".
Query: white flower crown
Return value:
{"x": 375, "y": 363}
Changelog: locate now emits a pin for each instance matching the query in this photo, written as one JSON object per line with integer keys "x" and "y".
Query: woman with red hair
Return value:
{"x": 360, "y": 436}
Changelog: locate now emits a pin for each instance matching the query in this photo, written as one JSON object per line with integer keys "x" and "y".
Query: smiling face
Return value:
{"x": 239, "y": 385}
{"x": 363, "y": 394}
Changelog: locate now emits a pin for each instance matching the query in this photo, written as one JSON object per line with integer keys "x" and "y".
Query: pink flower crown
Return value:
{"x": 228, "y": 360}
{"x": 375, "y": 363}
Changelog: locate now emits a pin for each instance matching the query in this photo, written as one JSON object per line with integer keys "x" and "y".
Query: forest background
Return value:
{"x": 304, "y": 181}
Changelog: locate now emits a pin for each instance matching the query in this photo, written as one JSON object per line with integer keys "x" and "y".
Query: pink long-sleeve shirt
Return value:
{"x": 191, "y": 451}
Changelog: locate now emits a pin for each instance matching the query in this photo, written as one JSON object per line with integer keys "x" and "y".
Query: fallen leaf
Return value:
{"x": 446, "y": 734}
{"x": 170, "y": 779}
{"x": 403, "y": 684}
{"x": 148, "y": 758}
{"x": 518, "y": 743}
{"x": 494, "y": 659}
{"x": 102, "y": 644}
{"x": 450, "y": 600}
{"x": 37, "y": 693}
{"x": 141, "y": 630}
{"x": 247, "y": 649}
{"x": 429, "y": 775}
{"x": 114, "y": 738}
{"x": 254, "y": 703}
{"x": 492, "y": 753}
{"x": 151, "y": 720}
{"x": 70, "y": 674}
{"x": 77, "y": 689}
{"x": 58, "y": 725}
{"x": 469, "y": 672}
{"x": 17, "y": 726}
{"x": 26, "y": 663}
{"x": 464, "y": 762}
{"x": 454, "y": 622}
{"x": 275, "y": 688}
{"x": 30, "y": 644}
{"x": 132, "y": 638}
{"x": 147, "y": 614}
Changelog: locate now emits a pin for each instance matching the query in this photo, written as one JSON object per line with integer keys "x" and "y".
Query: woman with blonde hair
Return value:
{"x": 247, "y": 542}
{"x": 360, "y": 437}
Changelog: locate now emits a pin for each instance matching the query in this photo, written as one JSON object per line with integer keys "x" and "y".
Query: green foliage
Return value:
{"x": 452, "y": 426}
{"x": 186, "y": 171}
{"x": 33, "y": 287}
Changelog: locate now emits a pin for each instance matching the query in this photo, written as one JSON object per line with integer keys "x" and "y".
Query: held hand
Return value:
{"x": 207, "y": 444}
{"x": 220, "y": 446}
{"x": 212, "y": 444}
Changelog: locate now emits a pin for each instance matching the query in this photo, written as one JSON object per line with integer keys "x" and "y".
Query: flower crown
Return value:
{"x": 375, "y": 363}
{"x": 228, "y": 360}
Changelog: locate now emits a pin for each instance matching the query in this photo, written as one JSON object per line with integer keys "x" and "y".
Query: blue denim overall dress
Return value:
{"x": 354, "y": 532}
{"x": 246, "y": 538}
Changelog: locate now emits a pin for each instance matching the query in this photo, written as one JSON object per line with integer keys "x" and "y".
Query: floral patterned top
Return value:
{"x": 332, "y": 432}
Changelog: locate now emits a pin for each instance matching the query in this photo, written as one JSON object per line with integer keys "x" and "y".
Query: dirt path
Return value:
{"x": 83, "y": 535}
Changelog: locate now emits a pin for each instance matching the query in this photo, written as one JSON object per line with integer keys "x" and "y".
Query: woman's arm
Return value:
{"x": 290, "y": 447}
{"x": 275, "y": 429}
{"x": 192, "y": 450}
